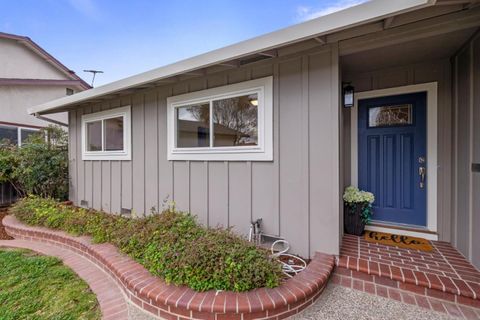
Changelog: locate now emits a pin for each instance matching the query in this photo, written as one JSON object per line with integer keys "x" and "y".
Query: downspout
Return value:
{"x": 38, "y": 116}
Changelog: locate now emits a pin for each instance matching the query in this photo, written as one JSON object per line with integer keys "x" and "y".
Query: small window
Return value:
{"x": 106, "y": 135}
{"x": 229, "y": 123}
{"x": 8, "y": 135}
{"x": 69, "y": 91}
{"x": 388, "y": 116}
{"x": 15, "y": 135}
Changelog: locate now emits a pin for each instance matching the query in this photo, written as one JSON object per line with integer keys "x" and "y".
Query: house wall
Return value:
{"x": 296, "y": 194}
{"x": 431, "y": 71}
{"x": 466, "y": 182}
{"x": 19, "y": 62}
{"x": 15, "y": 100}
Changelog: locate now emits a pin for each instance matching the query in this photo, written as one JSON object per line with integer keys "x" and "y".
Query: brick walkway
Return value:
{"x": 109, "y": 295}
{"x": 441, "y": 280}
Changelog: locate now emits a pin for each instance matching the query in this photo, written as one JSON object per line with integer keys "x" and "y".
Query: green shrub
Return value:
{"x": 171, "y": 245}
{"x": 39, "y": 166}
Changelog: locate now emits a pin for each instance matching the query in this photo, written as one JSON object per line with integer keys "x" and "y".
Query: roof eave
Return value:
{"x": 348, "y": 18}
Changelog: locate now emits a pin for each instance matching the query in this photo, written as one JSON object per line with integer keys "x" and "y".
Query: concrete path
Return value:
{"x": 340, "y": 303}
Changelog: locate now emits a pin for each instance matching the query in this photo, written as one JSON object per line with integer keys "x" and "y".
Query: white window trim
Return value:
{"x": 19, "y": 131}
{"x": 262, "y": 152}
{"x": 125, "y": 154}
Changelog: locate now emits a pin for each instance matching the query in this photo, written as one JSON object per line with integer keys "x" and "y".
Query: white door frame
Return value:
{"x": 431, "y": 90}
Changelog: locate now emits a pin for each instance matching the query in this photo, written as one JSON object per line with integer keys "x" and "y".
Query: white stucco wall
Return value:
{"x": 19, "y": 62}
{"x": 15, "y": 100}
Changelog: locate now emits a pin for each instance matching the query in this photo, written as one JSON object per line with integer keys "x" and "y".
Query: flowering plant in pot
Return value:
{"x": 357, "y": 210}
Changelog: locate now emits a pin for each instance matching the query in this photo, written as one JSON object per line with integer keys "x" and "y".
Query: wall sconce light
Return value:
{"x": 348, "y": 95}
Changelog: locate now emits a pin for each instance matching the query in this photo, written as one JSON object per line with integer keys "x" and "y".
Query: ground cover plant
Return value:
{"x": 170, "y": 244}
{"x": 39, "y": 287}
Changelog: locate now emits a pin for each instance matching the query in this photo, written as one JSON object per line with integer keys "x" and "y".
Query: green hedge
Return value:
{"x": 171, "y": 245}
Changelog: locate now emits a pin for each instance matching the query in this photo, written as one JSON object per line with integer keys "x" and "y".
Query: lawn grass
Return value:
{"x": 40, "y": 287}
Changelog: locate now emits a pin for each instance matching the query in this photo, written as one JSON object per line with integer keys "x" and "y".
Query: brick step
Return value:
{"x": 421, "y": 283}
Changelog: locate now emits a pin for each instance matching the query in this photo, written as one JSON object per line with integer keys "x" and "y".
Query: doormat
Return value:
{"x": 406, "y": 242}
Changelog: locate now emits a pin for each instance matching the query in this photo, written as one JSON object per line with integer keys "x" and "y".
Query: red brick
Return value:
{"x": 385, "y": 270}
{"x": 382, "y": 291}
{"x": 363, "y": 266}
{"x": 346, "y": 282}
{"x": 203, "y": 315}
{"x": 449, "y": 285}
{"x": 357, "y": 284}
{"x": 468, "y": 313}
{"x": 394, "y": 294}
{"x": 453, "y": 309}
{"x": 468, "y": 301}
{"x": 229, "y": 316}
{"x": 408, "y": 298}
{"x": 386, "y": 282}
{"x": 440, "y": 295}
{"x": 412, "y": 288}
{"x": 422, "y": 279}
{"x": 255, "y": 315}
{"x": 437, "y": 305}
{"x": 369, "y": 287}
{"x": 362, "y": 276}
{"x": 434, "y": 281}
{"x": 343, "y": 271}
{"x": 422, "y": 302}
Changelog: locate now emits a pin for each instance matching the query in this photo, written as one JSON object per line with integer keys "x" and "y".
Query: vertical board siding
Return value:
{"x": 151, "y": 152}
{"x": 290, "y": 155}
{"x": 476, "y": 152}
{"x": 72, "y": 159}
{"x": 466, "y": 206}
{"x": 292, "y": 194}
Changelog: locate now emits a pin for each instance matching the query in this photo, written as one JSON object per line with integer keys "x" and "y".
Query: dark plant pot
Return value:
{"x": 352, "y": 219}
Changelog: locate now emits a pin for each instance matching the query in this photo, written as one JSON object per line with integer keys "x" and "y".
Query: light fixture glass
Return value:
{"x": 348, "y": 96}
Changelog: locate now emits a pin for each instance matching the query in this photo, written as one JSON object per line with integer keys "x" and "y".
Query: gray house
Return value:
{"x": 260, "y": 129}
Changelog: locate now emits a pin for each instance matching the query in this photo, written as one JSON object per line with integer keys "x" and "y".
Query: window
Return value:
{"x": 106, "y": 135}
{"x": 15, "y": 135}
{"x": 229, "y": 123}
{"x": 388, "y": 116}
{"x": 69, "y": 91}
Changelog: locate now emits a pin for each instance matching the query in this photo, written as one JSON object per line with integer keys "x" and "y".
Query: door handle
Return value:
{"x": 422, "y": 172}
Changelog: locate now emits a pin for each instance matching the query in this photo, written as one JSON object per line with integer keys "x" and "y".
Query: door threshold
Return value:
{"x": 406, "y": 230}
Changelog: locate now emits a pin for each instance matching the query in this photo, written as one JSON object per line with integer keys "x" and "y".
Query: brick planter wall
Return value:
{"x": 171, "y": 302}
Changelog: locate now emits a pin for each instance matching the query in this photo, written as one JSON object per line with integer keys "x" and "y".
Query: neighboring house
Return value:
{"x": 412, "y": 136}
{"x": 30, "y": 76}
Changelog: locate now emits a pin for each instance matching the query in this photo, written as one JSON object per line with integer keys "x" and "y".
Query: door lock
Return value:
{"x": 422, "y": 172}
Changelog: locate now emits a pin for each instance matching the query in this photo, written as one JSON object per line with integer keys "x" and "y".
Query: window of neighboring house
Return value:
{"x": 232, "y": 122}
{"x": 69, "y": 91}
{"x": 106, "y": 135}
{"x": 15, "y": 135}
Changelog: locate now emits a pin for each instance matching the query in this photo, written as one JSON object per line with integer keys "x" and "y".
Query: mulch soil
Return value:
{"x": 3, "y": 234}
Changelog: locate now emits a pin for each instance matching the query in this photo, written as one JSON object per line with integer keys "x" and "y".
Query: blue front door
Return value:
{"x": 392, "y": 156}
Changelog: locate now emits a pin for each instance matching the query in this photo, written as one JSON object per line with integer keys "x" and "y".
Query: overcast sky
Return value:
{"x": 124, "y": 38}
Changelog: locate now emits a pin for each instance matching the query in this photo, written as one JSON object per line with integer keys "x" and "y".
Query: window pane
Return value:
{"x": 94, "y": 136}
{"x": 236, "y": 121}
{"x": 193, "y": 126}
{"x": 27, "y": 133}
{"x": 114, "y": 134}
{"x": 8, "y": 135}
{"x": 387, "y": 116}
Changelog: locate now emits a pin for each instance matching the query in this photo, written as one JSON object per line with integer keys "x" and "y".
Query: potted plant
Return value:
{"x": 357, "y": 210}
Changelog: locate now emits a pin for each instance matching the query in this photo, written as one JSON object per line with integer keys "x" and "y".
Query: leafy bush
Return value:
{"x": 39, "y": 166}
{"x": 171, "y": 244}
